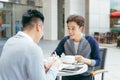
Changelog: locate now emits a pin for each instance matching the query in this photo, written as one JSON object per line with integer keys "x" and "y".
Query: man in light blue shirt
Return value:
{"x": 22, "y": 58}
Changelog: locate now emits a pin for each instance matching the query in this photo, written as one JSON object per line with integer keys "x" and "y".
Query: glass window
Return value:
{"x": 11, "y": 16}
{"x": 5, "y": 20}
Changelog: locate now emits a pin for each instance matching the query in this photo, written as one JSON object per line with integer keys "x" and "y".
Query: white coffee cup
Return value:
{"x": 68, "y": 59}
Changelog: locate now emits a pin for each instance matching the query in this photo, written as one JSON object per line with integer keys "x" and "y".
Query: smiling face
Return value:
{"x": 75, "y": 25}
{"x": 74, "y": 31}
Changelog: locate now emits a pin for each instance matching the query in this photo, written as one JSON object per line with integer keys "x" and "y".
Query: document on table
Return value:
{"x": 71, "y": 68}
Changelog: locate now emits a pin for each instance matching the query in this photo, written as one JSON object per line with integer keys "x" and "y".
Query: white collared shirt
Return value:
{"x": 22, "y": 59}
{"x": 25, "y": 35}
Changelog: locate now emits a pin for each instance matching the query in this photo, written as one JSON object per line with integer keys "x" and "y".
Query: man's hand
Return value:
{"x": 52, "y": 61}
{"x": 82, "y": 59}
{"x": 79, "y": 58}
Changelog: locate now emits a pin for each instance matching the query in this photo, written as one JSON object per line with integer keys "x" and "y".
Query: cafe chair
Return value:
{"x": 100, "y": 69}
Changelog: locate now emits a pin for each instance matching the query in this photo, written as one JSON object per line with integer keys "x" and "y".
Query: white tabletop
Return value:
{"x": 82, "y": 70}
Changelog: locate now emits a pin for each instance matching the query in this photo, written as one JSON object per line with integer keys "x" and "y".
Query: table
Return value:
{"x": 82, "y": 70}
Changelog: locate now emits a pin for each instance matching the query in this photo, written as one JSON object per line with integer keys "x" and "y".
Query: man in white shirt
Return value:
{"x": 22, "y": 58}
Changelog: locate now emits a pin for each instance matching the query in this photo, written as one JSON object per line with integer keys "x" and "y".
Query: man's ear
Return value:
{"x": 81, "y": 28}
{"x": 37, "y": 27}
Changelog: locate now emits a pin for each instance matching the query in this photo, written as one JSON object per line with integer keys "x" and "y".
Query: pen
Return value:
{"x": 55, "y": 53}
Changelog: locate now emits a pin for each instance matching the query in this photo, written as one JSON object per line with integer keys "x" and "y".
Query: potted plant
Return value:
{"x": 118, "y": 41}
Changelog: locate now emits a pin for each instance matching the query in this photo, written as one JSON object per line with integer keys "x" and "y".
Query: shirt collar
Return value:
{"x": 25, "y": 35}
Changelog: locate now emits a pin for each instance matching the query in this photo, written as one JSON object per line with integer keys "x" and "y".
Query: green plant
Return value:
{"x": 118, "y": 38}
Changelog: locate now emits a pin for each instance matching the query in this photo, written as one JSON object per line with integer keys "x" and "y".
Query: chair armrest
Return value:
{"x": 98, "y": 71}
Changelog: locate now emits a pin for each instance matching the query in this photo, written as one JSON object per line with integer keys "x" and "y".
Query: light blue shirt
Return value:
{"x": 22, "y": 59}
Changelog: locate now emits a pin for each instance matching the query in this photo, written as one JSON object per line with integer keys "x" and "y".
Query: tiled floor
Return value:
{"x": 113, "y": 64}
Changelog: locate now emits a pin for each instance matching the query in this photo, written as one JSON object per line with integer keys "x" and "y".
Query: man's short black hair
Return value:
{"x": 29, "y": 15}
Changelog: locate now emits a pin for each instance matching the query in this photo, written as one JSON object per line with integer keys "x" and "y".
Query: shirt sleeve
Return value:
{"x": 95, "y": 53}
{"x": 35, "y": 67}
{"x": 60, "y": 48}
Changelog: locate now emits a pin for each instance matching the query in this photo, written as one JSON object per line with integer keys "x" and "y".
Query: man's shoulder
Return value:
{"x": 65, "y": 38}
{"x": 89, "y": 37}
